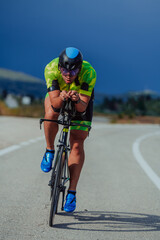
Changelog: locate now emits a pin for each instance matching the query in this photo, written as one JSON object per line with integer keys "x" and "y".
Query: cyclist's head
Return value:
{"x": 70, "y": 59}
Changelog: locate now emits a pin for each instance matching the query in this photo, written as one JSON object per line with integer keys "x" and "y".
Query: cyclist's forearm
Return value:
{"x": 81, "y": 106}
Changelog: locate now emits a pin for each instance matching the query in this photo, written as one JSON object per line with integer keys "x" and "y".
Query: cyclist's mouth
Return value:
{"x": 68, "y": 79}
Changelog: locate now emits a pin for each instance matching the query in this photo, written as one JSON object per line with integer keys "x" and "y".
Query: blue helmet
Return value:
{"x": 70, "y": 58}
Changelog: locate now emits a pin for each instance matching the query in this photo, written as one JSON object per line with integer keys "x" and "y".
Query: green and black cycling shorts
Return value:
{"x": 85, "y": 118}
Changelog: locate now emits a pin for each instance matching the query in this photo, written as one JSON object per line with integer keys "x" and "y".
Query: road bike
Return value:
{"x": 60, "y": 172}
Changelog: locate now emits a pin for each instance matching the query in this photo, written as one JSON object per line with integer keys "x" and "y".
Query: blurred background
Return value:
{"x": 120, "y": 38}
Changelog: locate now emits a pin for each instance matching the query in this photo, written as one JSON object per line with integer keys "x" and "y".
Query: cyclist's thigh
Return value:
{"x": 78, "y": 135}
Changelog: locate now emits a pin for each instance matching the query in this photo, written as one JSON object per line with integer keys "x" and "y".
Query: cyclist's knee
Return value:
{"x": 77, "y": 147}
{"x": 77, "y": 139}
{"x": 50, "y": 114}
{"x": 49, "y": 111}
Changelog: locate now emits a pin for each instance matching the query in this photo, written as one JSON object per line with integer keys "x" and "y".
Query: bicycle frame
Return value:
{"x": 61, "y": 163}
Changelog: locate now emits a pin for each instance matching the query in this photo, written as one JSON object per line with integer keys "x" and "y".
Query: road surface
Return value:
{"x": 118, "y": 195}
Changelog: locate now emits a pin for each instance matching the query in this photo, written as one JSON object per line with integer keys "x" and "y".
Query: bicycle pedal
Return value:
{"x": 49, "y": 184}
{"x": 62, "y": 188}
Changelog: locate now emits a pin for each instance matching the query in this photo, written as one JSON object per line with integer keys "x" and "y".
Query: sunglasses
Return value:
{"x": 72, "y": 73}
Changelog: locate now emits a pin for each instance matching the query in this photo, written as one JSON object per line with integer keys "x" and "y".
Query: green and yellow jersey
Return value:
{"x": 84, "y": 83}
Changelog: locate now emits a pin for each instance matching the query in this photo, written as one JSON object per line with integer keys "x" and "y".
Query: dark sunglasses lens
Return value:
{"x": 72, "y": 72}
{"x": 64, "y": 71}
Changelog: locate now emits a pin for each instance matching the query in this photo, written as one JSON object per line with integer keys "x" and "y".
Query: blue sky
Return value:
{"x": 120, "y": 38}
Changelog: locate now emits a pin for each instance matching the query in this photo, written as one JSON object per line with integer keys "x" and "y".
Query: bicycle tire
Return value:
{"x": 56, "y": 187}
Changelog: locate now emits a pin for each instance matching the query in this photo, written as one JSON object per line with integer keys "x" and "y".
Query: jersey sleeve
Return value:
{"x": 50, "y": 74}
{"x": 89, "y": 80}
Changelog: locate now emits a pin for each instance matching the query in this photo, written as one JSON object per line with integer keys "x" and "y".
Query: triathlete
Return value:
{"x": 68, "y": 76}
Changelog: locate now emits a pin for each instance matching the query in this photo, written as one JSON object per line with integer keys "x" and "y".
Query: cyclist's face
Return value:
{"x": 68, "y": 77}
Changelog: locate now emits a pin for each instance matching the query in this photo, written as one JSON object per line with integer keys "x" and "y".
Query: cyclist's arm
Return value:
{"x": 89, "y": 79}
{"x": 57, "y": 97}
{"x": 83, "y": 103}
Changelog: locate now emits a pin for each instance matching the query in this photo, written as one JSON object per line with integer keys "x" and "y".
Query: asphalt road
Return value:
{"x": 118, "y": 195}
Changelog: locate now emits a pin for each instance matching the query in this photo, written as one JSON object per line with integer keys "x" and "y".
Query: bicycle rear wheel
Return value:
{"x": 56, "y": 186}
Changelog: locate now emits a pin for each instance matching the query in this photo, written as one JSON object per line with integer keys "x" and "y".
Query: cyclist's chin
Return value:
{"x": 68, "y": 80}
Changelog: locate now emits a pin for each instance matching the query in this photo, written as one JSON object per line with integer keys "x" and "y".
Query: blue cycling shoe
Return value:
{"x": 46, "y": 164}
{"x": 70, "y": 204}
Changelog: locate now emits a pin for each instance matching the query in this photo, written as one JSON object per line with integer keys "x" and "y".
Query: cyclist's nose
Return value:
{"x": 68, "y": 74}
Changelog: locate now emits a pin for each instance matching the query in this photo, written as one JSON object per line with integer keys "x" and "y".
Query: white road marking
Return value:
{"x": 18, "y": 146}
{"x": 144, "y": 165}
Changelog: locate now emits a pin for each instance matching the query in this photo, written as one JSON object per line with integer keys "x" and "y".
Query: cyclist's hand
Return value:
{"x": 74, "y": 95}
{"x": 64, "y": 95}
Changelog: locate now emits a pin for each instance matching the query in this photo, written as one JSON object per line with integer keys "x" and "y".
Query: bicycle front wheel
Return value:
{"x": 56, "y": 186}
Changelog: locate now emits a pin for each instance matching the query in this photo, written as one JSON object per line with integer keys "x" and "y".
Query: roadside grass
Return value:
{"x": 135, "y": 119}
{"x": 36, "y": 110}
{"x": 129, "y": 119}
